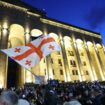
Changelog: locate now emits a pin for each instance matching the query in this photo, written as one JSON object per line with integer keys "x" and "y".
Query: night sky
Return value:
{"x": 88, "y": 14}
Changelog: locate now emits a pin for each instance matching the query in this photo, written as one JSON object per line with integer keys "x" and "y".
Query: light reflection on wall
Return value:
{"x": 54, "y": 35}
{"x": 1, "y": 82}
{"x": 5, "y": 24}
{"x": 79, "y": 43}
{"x": 67, "y": 41}
{"x": 36, "y": 32}
{"x": 99, "y": 45}
{"x": 28, "y": 78}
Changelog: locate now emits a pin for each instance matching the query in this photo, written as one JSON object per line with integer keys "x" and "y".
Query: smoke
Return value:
{"x": 96, "y": 17}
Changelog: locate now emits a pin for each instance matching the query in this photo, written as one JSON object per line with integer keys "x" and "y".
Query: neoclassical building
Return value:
{"x": 81, "y": 59}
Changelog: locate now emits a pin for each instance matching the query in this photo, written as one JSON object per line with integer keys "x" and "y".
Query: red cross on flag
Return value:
{"x": 31, "y": 54}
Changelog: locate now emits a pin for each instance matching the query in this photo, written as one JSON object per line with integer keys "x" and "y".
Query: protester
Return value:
{"x": 50, "y": 97}
{"x": 23, "y": 102}
{"x": 73, "y": 102}
{"x": 69, "y": 93}
{"x": 8, "y": 98}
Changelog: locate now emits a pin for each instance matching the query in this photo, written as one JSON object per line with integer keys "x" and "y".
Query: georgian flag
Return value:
{"x": 31, "y": 54}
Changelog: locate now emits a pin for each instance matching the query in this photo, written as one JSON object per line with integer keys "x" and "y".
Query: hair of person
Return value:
{"x": 73, "y": 102}
{"x": 9, "y": 97}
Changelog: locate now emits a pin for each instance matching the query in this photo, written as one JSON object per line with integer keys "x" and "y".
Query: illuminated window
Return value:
{"x": 45, "y": 71}
{"x": 58, "y": 53}
{"x": 61, "y": 72}
{"x": 51, "y": 60}
{"x": 73, "y": 63}
{"x": 84, "y": 63}
{"x": 59, "y": 62}
{"x": 87, "y": 73}
{"x": 53, "y": 72}
{"x": 70, "y": 53}
{"x": 74, "y": 72}
{"x": 44, "y": 60}
{"x": 82, "y": 54}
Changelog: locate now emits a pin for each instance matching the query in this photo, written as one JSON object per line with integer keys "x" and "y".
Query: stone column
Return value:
{"x": 3, "y": 57}
{"x": 28, "y": 74}
{"x": 99, "y": 62}
{"x": 0, "y": 35}
{"x": 77, "y": 57}
{"x": 103, "y": 58}
{"x": 49, "y": 68}
{"x": 48, "y": 61}
{"x": 65, "y": 61}
{"x": 92, "y": 72}
{"x": 49, "y": 72}
{"x": 75, "y": 54}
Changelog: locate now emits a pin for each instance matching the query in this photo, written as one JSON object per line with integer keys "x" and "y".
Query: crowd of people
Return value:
{"x": 81, "y": 93}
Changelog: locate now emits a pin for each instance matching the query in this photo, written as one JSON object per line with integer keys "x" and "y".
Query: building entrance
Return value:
{"x": 12, "y": 73}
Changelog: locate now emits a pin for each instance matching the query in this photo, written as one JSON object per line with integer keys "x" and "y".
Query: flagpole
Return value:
{"x": 30, "y": 72}
{"x": 48, "y": 74}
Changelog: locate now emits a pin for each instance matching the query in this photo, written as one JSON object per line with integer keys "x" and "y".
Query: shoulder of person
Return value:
{"x": 23, "y": 102}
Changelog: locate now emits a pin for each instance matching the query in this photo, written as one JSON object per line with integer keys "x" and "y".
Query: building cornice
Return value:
{"x": 33, "y": 14}
{"x": 8, "y": 5}
{"x": 50, "y": 22}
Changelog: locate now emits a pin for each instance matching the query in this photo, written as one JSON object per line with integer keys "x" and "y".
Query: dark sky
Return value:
{"x": 88, "y": 14}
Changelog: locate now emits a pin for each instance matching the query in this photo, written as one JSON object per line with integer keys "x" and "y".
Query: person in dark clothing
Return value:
{"x": 98, "y": 97}
{"x": 103, "y": 100}
{"x": 50, "y": 98}
{"x": 86, "y": 98}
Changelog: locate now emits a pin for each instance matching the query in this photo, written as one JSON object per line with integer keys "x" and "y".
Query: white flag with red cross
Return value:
{"x": 31, "y": 54}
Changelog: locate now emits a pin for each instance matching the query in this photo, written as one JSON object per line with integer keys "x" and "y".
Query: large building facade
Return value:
{"x": 82, "y": 53}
